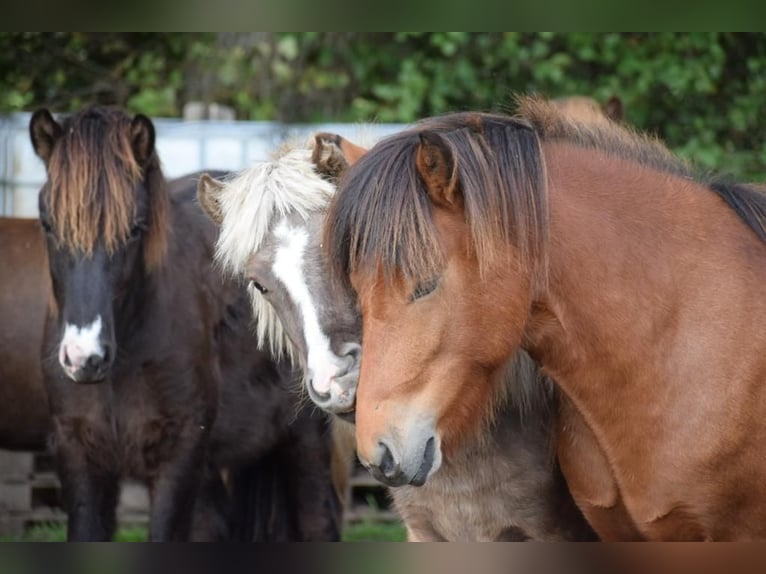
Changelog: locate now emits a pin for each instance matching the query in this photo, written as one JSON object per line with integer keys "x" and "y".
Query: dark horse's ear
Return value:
{"x": 44, "y": 131}
{"x": 208, "y": 192}
{"x": 613, "y": 109}
{"x": 333, "y": 154}
{"x": 436, "y": 166}
{"x": 142, "y": 138}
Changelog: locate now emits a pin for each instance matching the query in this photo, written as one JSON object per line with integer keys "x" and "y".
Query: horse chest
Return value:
{"x": 148, "y": 421}
{"x": 123, "y": 426}
{"x": 638, "y": 510}
{"x": 500, "y": 491}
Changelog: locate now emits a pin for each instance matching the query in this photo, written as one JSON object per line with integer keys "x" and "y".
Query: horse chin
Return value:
{"x": 84, "y": 378}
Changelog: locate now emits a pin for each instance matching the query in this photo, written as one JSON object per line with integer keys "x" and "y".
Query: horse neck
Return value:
{"x": 627, "y": 247}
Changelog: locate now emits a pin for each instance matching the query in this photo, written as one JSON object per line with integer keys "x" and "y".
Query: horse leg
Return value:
{"x": 590, "y": 479}
{"x": 212, "y": 510}
{"x": 90, "y": 492}
{"x": 176, "y": 486}
{"x": 311, "y": 489}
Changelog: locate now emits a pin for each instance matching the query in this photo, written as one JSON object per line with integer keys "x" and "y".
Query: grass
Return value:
{"x": 375, "y": 531}
{"x": 56, "y": 532}
{"x": 360, "y": 532}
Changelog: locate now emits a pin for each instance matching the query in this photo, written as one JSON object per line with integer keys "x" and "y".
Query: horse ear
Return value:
{"x": 142, "y": 138}
{"x": 328, "y": 157}
{"x": 613, "y": 109}
{"x": 352, "y": 152}
{"x": 44, "y": 131}
{"x": 208, "y": 191}
{"x": 333, "y": 154}
{"x": 436, "y": 166}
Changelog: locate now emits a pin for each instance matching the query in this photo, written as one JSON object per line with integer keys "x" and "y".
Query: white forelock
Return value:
{"x": 251, "y": 202}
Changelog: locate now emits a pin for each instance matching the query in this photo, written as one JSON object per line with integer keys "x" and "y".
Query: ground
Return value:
{"x": 362, "y": 531}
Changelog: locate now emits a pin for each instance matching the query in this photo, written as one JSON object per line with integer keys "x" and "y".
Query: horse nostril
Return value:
{"x": 67, "y": 361}
{"x": 354, "y": 351}
{"x": 388, "y": 465}
{"x": 94, "y": 362}
{"x": 426, "y": 464}
{"x": 107, "y": 354}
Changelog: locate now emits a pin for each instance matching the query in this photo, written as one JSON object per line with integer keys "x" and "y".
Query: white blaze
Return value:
{"x": 322, "y": 363}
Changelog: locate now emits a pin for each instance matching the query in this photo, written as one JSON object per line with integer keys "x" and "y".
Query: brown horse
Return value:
{"x": 148, "y": 360}
{"x": 24, "y": 292}
{"x": 506, "y": 487}
{"x": 632, "y": 282}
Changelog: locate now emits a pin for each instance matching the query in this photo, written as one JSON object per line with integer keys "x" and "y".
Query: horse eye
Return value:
{"x": 259, "y": 287}
{"x": 46, "y": 225}
{"x": 136, "y": 230}
{"x": 425, "y": 288}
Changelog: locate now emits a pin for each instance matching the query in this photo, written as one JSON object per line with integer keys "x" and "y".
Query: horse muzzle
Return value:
{"x": 83, "y": 354}
{"x": 397, "y": 464}
{"x": 332, "y": 384}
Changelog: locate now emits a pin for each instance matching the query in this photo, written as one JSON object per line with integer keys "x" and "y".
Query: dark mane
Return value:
{"x": 91, "y": 189}
{"x": 382, "y": 214}
{"x": 748, "y": 201}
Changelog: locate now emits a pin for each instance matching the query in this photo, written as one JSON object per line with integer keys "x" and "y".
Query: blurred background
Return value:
{"x": 703, "y": 93}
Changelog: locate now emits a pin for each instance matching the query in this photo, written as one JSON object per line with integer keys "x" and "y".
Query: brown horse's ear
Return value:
{"x": 208, "y": 191}
{"x": 613, "y": 109}
{"x": 352, "y": 152}
{"x": 44, "y": 131}
{"x": 333, "y": 154}
{"x": 436, "y": 166}
{"x": 142, "y": 138}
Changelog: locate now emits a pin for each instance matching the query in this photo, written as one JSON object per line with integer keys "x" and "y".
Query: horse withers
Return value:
{"x": 632, "y": 282}
{"x": 503, "y": 486}
{"x": 146, "y": 357}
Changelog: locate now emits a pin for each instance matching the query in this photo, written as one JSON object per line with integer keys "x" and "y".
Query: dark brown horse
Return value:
{"x": 24, "y": 292}
{"x": 148, "y": 360}
{"x": 637, "y": 286}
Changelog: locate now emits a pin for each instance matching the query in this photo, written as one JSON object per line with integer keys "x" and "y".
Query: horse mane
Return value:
{"x": 552, "y": 123}
{"x": 747, "y": 200}
{"x": 251, "y": 201}
{"x": 92, "y": 178}
{"x": 383, "y": 216}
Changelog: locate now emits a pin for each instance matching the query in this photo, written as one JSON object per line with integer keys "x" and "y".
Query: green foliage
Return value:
{"x": 701, "y": 92}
